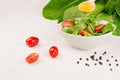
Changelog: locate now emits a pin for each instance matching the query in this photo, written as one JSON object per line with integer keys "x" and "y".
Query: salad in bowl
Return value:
{"x": 87, "y": 37}
{"x": 85, "y": 24}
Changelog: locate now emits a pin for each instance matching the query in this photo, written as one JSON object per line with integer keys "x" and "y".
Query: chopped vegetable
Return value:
{"x": 53, "y": 51}
{"x": 68, "y": 23}
{"x": 99, "y": 27}
{"x": 85, "y": 32}
{"x": 32, "y": 41}
{"x": 33, "y": 57}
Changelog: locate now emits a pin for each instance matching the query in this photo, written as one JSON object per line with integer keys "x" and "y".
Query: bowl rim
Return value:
{"x": 77, "y": 36}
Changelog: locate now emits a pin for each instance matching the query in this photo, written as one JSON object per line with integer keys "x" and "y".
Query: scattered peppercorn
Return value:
{"x": 107, "y": 60}
{"x": 77, "y": 62}
{"x": 111, "y": 69}
{"x": 116, "y": 60}
{"x": 86, "y": 64}
{"x": 80, "y": 58}
{"x": 111, "y": 56}
{"x": 92, "y": 57}
{"x": 96, "y": 59}
{"x": 95, "y": 52}
{"x": 87, "y": 59}
{"x": 95, "y": 64}
{"x": 100, "y": 63}
{"x": 117, "y": 64}
{"x": 104, "y": 53}
{"x": 100, "y": 58}
{"x": 109, "y": 64}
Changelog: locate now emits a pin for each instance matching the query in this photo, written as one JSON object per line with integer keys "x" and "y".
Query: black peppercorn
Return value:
{"x": 100, "y": 63}
{"x": 111, "y": 69}
{"x": 107, "y": 60}
{"x": 117, "y": 64}
{"x": 80, "y": 58}
{"x": 109, "y": 64}
{"x": 100, "y": 57}
{"x": 116, "y": 60}
{"x": 104, "y": 53}
{"x": 95, "y": 52}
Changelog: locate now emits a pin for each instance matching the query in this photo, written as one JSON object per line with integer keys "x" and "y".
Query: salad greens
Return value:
{"x": 89, "y": 26}
{"x": 108, "y": 10}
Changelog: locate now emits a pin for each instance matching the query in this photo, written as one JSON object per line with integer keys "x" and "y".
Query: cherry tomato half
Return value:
{"x": 32, "y": 41}
{"x": 53, "y": 51}
{"x": 99, "y": 28}
{"x": 83, "y": 32}
{"x": 32, "y": 57}
{"x": 67, "y": 23}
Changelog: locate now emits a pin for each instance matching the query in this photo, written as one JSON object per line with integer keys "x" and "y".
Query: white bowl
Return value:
{"x": 86, "y": 43}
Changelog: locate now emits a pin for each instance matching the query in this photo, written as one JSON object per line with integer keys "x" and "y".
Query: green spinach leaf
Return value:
{"x": 72, "y": 12}
{"x": 99, "y": 8}
{"x": 117, "y": 8}
{"x": 110, "y": 6}
{"x": 107, "y": 28}
{"x": 55, "y": 8}
{"x": 117, "y": 23}
{"x": 104, "y": 16}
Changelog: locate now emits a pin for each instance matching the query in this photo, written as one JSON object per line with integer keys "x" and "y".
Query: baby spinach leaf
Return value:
{"x": 110, "y": 6}
{"x": 104, "y": 16}
{"x": 117, "y": 23}
{"x": 99, "y": 8}
{"x": 107, "y": 28}
{"x": 116, "y": 32}
{"x": 55, "y": 8}
{"x": 71, "y": 30}
{"x": 88, "y": 35}
{"x": 72, "y": 12}
{"x": 117, "y": 8}
{"x": 81, "y": 25}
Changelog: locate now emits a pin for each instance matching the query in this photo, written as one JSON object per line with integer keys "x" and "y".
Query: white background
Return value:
{"x": 20, "y": 19}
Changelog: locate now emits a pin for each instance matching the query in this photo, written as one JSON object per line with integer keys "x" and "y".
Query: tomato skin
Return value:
{"x": 83, "y": 32}
{"x": 99, "y": 27}
{"x": 67, "y": 23}
{"x": 53, "y": 51}
{"x": 32, "y": 57}
{"x": 32, "y": 41}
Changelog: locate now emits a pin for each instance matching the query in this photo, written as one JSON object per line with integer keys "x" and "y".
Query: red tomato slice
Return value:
{"x": 99, "y": 28}
{"x": 83, "y": 32}
{"x": 67, "y": 23}
{"x": 32, "y": 57}
{"x": 32, "y": 41}
{"x": 53, "y": 51}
